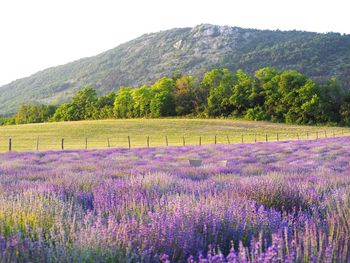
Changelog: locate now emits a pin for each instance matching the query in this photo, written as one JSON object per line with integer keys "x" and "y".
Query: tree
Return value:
{"x": 83, "y": 104}
{"x": 142, "y": 101}
{"x": 267, "y": 94}
{"x": 66, "y": 112}
{"x": 162, "y": 102}
{"x": 184, "y": 95}
{"x": 241, "y": 92}
{"x": 104, "y": 106}
{"x": 34, "y": 113}
{"x": 219, "y": 83}
{"x": 298, "y": 102}
{"x": 344, "y": 110}
{"x": 332, "y": 98}
{"x": 124, "y": 103}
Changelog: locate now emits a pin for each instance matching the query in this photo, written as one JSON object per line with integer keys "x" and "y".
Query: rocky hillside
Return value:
{"x": 186, "y": 50}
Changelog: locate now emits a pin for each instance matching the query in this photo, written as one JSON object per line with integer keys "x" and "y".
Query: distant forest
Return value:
{"x": 268, "y": 94}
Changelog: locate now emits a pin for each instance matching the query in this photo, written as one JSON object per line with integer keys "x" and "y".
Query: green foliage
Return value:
{"x": 162, "y": 102}
{"x": 34, "y": 114}
{"x": 83, "y": 103}
{"x": 185, "y": 95}
{"x": 124, "y": 103}
{"x": 7, "y": 120}
{"x": 219, "y": 83}
{"x": 241, "y": 92}
{"x": 142, "y": 101}
{"x": 104, "y": 107}
{"x": 65, "y": 112}
{"x": 278, "y": 96}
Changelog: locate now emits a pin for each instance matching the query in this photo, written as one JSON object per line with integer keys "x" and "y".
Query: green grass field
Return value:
{"x": 48, "y": 136}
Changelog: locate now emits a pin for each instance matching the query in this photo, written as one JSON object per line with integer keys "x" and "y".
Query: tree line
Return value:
{"x": 268, "y": 94}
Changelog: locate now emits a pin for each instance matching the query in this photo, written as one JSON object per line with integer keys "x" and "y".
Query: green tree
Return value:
{"x": 219, "y": 83}
{"x": 104, "y": 106}
{"x": 83, "y": 104}
{"x": 124, "y": 103}
{"x": 184, "y": 95}
{"x": 344, "y": 110}
{"x": 162, "y": 102}
{"x": 34, "y": 113}
{"x": 331, "y": 97}
{"x": 142, "y": 101}
{"x": 66, "y": 112}
{"x": 241, "y": 93}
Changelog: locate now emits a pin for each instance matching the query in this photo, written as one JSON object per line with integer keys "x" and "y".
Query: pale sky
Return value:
{"x": 36, "y": 34}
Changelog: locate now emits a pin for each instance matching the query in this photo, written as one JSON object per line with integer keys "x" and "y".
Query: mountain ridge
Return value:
{"x": 185, "y": 50}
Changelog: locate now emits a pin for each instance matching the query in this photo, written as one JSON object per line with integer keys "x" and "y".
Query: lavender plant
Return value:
{"x": 262, "y": 202}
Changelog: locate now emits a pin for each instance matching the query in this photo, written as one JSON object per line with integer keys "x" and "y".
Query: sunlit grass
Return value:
{"x": 174, "y": 132}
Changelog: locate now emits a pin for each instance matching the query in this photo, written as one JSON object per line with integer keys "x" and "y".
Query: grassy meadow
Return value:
{"x": 114, "y": 133}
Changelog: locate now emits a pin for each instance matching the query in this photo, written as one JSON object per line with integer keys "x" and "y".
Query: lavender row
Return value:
{"x": 263, "y": 202}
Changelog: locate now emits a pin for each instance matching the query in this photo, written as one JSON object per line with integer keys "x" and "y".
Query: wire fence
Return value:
{"x": 44, "y": 143}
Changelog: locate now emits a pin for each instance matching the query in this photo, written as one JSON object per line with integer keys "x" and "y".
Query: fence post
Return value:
{"x": 242, "y": 138}
{"x": 266, "y": 137}
{"x": 228, "y": 139}
{"x": 333, "y": 133}
{"x": 278, "y": 139}
{"x": 10, "y": 144}
{"x": 108, "y": 144}
{"x": 62, "y": 144}
{"x": 166, "y": 140}
{"x": 86, "y": 143}
{"x": 200, "y": 140}
{"x": 148, "y": 141}
{"x": 255, "y": 137}
{"x": 183, "y": 141}
{"x": 37, "y": 143}
{"x": 317, "y": 135}
{"x": 129, "y": 142}
{"x": 215, "y": 139}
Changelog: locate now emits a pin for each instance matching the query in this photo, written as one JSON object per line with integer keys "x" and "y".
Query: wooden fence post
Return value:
{"x": 255, "y": 137}
{"x": 242, "y": 138}
{"x": 200, "y": 140}
{"x": 148, "y": 141}
{"x": 108, "y": 143}
{"x": 62, "y": 144}
{"x": 228, "y": 139}
{"x": 129, "y": 142}
{"x": 266, "y": 137}
{"x": 215, "y": 139}
{"x": 86, "y": 143}
{"x": 10, "y": 144}
{"x": 278, "y": 139}
{"x": 183, "y": 141}
{"x": 166, "y": 140}
{"x": 37, "y": 143}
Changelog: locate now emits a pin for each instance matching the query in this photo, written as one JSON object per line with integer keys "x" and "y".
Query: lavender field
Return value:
{"x": 262, "y": 202}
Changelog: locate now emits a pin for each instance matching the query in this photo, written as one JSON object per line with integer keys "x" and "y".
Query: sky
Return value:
{"x": 38, "y": 34}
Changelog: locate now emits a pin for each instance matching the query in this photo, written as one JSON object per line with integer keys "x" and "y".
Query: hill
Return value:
{"x": 186, "y": 50}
